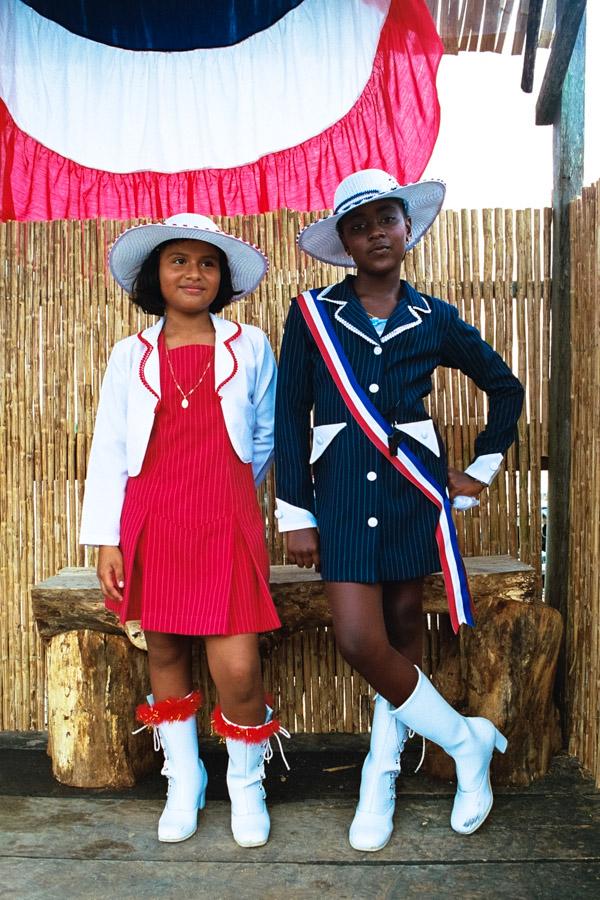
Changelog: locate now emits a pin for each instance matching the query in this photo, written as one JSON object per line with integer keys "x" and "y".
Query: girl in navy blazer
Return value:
{"x": 183, "y": 435}
{"x": 358, "y": 357}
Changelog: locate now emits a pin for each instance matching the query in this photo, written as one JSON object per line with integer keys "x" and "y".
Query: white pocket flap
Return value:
{"x": 424, "y": 432}
{"x": 322, "y": 437}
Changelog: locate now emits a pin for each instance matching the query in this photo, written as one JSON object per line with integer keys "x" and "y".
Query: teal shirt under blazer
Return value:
{"x": 374, "y": 525}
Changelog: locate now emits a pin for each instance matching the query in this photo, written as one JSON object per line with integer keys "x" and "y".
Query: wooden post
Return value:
{"x": 568, "y": 180}
{"x": 534, "y": 19}
{"x": 569, "y": 16}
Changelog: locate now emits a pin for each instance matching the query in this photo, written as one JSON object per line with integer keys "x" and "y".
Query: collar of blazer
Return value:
{"x": 352, "y": 315}
{"x": 226, "y": 363}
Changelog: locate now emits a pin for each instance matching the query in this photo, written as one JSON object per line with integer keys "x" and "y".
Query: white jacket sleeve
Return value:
{"x": 107, "y": 467}
{"x": 264, "y": 407}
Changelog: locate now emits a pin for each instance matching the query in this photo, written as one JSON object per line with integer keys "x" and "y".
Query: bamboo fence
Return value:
{"x": 583, "y": 625}
{"x": 60, "y": 313}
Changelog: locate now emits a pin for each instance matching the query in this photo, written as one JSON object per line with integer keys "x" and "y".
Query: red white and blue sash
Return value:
{"x": 378, "y": 430}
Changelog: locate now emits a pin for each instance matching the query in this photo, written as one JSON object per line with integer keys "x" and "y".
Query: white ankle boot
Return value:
{"x": 187, "y": 777}
{"x": 373, "y": 824}
{"x": 248, "y": 746}
{"x": 469, "y": 741}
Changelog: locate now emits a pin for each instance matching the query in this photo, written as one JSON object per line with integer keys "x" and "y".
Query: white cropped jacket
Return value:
{"x": 244, "y": 380}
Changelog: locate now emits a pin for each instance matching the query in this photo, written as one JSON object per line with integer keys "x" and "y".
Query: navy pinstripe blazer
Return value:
{"x": 373, "y": 524}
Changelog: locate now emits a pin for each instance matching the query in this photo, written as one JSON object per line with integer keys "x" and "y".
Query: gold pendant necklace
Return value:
{"x": 185, "y": 402}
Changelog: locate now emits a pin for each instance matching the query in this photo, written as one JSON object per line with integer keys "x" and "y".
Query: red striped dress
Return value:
{"x": 192, "y": 534}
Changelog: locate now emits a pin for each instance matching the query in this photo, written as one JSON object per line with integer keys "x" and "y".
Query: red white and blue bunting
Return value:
{"x": 118, "y": 110}
{"x": 378, "y": 430}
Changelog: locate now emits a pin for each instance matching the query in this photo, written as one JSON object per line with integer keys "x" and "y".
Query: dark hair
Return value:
{"x": 146, "y": 287}
{"x": 403, "y": 204}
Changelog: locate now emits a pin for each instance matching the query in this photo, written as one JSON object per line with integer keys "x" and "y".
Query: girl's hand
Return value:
{"x": 110, "y": 572}
{"x": 461, "y": 484}
{"x": 303, "y": 548}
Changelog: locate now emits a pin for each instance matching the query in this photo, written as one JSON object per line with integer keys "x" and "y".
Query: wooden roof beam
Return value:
{"x": 531, "y": 42}
{"x": 567, "y": 29}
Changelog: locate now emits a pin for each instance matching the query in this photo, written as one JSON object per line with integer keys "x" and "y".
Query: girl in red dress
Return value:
{"x": 184, "y": 433}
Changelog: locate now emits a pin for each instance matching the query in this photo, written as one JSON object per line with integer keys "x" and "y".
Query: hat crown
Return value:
{"x": 362, "y": 187}
{"x": 192, "y": 220}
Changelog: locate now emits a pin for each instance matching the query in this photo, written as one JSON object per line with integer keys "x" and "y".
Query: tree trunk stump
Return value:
{"x": 95, "y": 681}
{"x": 504, "y": 670}
{"x": 72, "y": 600}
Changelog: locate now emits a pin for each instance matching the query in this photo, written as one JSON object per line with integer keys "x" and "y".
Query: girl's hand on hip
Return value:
{"x": 110, "y": 572}
{"x": 461, "y": 484}
{"x": 303, "y": 548}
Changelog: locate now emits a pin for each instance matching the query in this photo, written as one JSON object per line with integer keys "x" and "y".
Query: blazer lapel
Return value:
{"x": 225, "y": 360}
{"x": 409, "y": 313}
{"x": 351, "y": 314}
{"x": 149, "y": 371}
{"x": 226, "y": 364}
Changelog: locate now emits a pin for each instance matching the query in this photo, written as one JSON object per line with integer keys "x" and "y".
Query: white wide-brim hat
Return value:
{"x": 423, "y": 202}
{"x": 247, "y": 264}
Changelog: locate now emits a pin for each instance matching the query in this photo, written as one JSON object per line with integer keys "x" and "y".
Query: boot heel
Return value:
{"x": 500, "y": 742}
{"x": 202, "y": 800}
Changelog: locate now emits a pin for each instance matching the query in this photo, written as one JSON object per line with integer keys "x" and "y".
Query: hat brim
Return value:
{"x": 424, "y": 200}
{"x": 247, "y": 264}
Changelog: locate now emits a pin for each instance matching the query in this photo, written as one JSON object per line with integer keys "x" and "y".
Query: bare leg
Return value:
{"x": 403, "y": 615}
{"x": 234, "y": 664}
{"x": 170, "y": 664}
{"x": 362, "y": 638}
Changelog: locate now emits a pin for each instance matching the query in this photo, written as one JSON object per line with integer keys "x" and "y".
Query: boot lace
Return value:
{"x": 155, "y": 735}
{"x": 269, "y": 752}
{"x": 156, "y": 743}
{"x": 398, "y": 764}
{"x": 267, "y": 756}
{"x": 168, "y": 775}
{"x": 422, "y": 760}
{"x": 409, "y": 735}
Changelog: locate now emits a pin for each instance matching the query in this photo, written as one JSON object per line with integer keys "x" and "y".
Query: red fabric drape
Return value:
{"x": 393, "y": 125}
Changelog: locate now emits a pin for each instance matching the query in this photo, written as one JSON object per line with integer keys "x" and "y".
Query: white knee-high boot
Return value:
{"x": 174, "y": 724}
{"x": 373, "y": 824}
{"x": 248, "y": 747}
{"x": 469, "y": 741}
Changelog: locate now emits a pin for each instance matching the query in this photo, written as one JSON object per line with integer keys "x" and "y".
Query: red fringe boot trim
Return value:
{"x": 249, "y": 734}
{"x": 173, "y": 709}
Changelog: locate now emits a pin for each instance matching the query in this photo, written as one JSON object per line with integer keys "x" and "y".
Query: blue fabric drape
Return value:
{"x": 163, "y": 25}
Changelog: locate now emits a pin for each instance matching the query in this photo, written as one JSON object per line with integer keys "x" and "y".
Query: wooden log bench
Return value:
{"x": 503, "y": 669}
